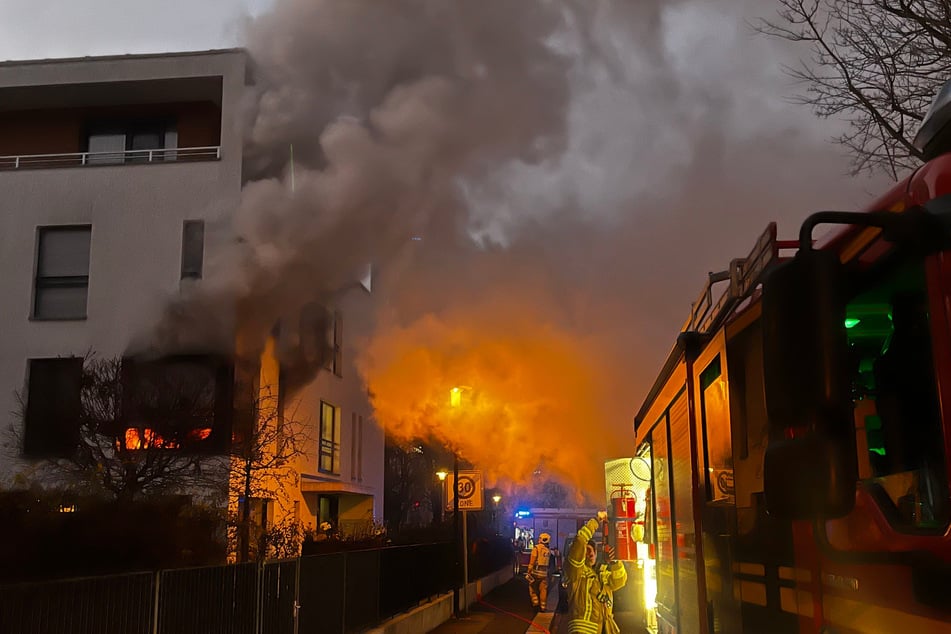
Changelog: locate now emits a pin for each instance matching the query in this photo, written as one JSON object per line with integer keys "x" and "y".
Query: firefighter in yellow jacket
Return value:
{"x": 539, "y": 571}
{"x": 591, "y": 585}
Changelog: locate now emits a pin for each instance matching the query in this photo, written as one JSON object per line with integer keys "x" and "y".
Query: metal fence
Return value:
{"x": 333, "y": 593}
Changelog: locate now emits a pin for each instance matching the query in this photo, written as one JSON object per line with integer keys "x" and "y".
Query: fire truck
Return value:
{"x": 798, "y": 434}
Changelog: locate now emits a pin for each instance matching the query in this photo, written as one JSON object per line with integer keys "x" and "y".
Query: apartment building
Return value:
{"x": 118, "y": 174}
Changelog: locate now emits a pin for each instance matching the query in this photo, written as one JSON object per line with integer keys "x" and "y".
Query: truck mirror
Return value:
{"x": 807, "y": 478}
{"x": 807, "y": 388}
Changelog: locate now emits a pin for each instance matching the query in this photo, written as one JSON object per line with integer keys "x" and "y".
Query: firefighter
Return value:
{"x": 539, "y": 571}
{"x": 591, "y": 584}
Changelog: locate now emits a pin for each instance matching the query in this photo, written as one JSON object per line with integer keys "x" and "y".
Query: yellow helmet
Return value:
{"x": 544, "y": 538}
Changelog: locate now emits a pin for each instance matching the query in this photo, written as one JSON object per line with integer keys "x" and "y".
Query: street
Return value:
{"x": 508, "y": 610}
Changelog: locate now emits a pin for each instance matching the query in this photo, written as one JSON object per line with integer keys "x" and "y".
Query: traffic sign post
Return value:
{"x": 464, "y": 492}
{"x": 470, "y": 491}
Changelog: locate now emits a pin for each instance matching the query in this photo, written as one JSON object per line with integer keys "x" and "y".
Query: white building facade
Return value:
{"x": 111, "y": 169}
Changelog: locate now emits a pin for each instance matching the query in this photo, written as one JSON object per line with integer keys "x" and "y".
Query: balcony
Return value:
{"x": 125, "y": 157}
{"x": 110, "y": 123}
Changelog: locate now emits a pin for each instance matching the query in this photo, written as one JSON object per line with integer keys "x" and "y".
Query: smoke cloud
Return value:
{"x": 541, "y": 185}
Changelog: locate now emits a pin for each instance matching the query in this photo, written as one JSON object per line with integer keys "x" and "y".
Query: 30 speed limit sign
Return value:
{"x": 469, "y": 490}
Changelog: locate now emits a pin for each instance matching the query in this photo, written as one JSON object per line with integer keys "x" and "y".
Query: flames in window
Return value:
{"x": 146, "y": 438}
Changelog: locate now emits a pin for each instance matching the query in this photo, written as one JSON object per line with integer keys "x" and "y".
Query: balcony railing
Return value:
{"x": 85, "y": 159}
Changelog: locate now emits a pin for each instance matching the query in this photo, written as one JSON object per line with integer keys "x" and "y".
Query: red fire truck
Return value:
{"x": 798, "y": 434}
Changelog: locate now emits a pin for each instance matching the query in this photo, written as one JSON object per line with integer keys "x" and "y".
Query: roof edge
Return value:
{"x": 123, "y": 56}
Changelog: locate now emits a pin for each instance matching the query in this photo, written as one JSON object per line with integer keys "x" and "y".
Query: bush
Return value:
{"x": 98, "y": 537}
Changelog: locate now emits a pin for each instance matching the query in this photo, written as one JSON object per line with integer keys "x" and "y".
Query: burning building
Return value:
{"x": 120, "y": 178}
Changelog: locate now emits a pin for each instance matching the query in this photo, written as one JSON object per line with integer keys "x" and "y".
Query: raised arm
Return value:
{"x": 576, "y": 551}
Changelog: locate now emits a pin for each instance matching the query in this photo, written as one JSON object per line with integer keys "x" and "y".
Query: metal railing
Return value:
{"x": 130, "y": 157}
{"x": 335, "y": 593}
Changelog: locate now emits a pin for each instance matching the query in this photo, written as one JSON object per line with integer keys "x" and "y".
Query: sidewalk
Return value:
{"x": 508, "y": 610}
{"x": 505, "y": 610}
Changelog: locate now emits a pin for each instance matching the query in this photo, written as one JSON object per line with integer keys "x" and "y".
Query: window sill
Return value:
{"x": 57, "y": 319}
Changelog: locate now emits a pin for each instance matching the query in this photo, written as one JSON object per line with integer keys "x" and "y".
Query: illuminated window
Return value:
{"x": 329, "y": 454}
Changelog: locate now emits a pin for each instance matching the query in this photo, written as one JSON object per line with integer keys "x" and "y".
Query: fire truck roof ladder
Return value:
{"x": 743, "y": 277}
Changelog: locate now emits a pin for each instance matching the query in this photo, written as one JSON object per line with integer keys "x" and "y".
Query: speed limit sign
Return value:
{"x": 469, "y": 489}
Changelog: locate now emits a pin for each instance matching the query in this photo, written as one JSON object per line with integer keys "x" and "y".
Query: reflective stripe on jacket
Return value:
{"x": 538, "y": 563}
{"x": 590, "y": 591}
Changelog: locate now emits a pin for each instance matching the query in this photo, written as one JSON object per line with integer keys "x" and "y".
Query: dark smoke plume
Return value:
{"x": 541, "y": 186}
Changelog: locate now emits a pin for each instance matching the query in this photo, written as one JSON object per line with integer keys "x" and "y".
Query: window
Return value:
{"x": 338, "y": 343}
{"x": 329, "y": 450}
{"x": 179, "y": 402}
{"x": 51, "y": 423}
{"x": 716, "y": 441}
{"x": 193, "y": 246}
{"x": 359, "y": 448}
{"x": 62, "y": 272}
{"x": 353, "y": 445}
{"x": 356, "y": 447}
{"x": 897, "y": 414}
{"x": 106, "y": 148}
{"x": 128, "y": 140}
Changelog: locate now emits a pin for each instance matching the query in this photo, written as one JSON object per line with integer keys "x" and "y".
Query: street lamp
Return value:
{"x": 495, "y": 512}
{"x": 442, "y": 474}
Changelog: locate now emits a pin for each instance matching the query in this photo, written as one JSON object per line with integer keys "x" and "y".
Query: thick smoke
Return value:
{"x": 542, "y": 186}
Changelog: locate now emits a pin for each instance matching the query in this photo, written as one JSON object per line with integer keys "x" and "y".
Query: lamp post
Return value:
{"x": 442, "y": 474}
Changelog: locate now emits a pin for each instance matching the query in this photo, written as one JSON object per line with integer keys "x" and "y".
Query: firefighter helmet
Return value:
{"x": 544, "y": 538}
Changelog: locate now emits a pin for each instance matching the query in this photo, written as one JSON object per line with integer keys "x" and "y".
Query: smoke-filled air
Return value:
{"x": 541, "y": 187}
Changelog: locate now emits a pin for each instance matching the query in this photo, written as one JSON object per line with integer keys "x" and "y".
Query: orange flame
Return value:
{"x": 536, "y": 395}
{"x": 147, "y": 439}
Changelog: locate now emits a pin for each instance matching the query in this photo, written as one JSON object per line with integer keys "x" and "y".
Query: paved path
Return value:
{"x": 505, "y": 610}
{"x": 508, "y": 610}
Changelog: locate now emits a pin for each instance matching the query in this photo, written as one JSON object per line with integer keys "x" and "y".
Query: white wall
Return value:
{"x": 136, "y": 213}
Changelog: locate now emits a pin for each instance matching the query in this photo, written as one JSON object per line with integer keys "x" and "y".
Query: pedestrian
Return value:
{"x": 539, "y": 571}
{"x": 591, "y": 584}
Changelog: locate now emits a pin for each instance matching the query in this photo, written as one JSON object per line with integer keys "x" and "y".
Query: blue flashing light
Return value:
{"x": 523, "y": 514}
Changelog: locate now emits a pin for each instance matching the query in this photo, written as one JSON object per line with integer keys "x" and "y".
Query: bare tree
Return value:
{"x": 410, "y": 481}
{"x": 266, "y": 447}
{"x": 131, "y": 457}
{"x": 875, "y": 63}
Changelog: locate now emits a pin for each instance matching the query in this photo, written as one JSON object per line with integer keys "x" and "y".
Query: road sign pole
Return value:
{"x": 465, "y": 561}
{"x": 455, "y": 533}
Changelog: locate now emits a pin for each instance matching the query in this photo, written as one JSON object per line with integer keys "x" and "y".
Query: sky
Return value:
{"x": 35, "y": 29}
{"x": 543, "y": 185}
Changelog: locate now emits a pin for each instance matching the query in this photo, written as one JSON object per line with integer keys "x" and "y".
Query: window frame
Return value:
{"x": 130, "y": 128}
{"x": 337, "y": 362}
{"x": 45, "y": 448}
{"x": 43, "y": 282}
{"x": 889, "y": 273}
{"x": 329, "y": 448}
{"x": 196, "y": 271}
